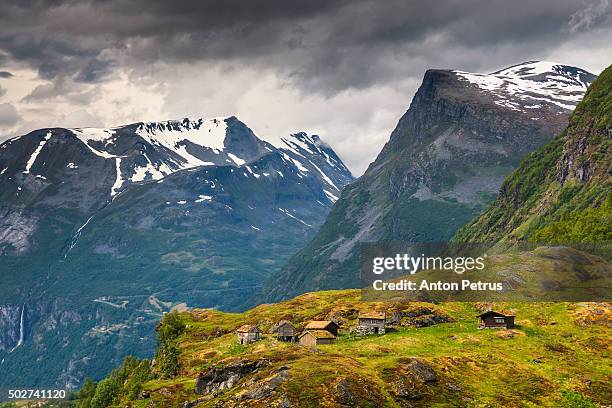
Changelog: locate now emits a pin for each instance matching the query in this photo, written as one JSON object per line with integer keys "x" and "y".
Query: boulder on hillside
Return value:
{"x": 220, "y": 378}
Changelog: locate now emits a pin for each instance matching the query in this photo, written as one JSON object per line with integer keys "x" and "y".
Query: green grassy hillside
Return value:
{"x": 557, "y": 356}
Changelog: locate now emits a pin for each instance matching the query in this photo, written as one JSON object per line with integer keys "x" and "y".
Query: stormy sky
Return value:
{"x": 345, "y": 70}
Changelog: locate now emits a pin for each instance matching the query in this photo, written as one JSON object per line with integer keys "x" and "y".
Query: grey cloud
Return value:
{"x": 320, "y": 45}
{"x": 341, "y": 67}
{"x": 594, "y": 13}
{"x": 61, "y": 88}
{"x": 43, "y": 91}
{"x": 5, "y": 74}
{"x": 94, "y": 70}
{"x": 8, "y": 115}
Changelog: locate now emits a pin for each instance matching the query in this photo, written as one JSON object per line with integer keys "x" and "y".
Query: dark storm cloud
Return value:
{"x": 326, "y": 45}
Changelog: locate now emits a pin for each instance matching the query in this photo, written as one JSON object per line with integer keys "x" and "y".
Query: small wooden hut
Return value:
{"x": 371, "y": 323}
{"x": 323, "y": 325}
{"x": 495, "y": 320}
{"x": 316, "y": 337}
{"x": 285, "y": 331}
{"x": 248, "y": 333}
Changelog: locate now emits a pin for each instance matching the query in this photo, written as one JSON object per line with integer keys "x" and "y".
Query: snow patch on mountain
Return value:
{"x": 236, "y": 159}
{"x": 34, "y": 155}
{"x": 94, "y": 134}
{"x": 527, "y": 85}
{"x": 288, "y": 214}
{"x": 97, "y": 135}
{"x": 327, "y": 179}
{"x": 330, "y": 196}
{"x": 170, "y": 134}
{"x": 118, "y": 180}
{"x": 202, "y": 198}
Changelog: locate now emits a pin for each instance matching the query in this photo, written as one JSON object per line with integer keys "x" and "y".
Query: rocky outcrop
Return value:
{"x": 264, "y": 388}
{"x": 344, "y": 395}
{"x": 16, "y": 231}
{"x": 412, "y": 379}
{"x": 9, "y": 326}
{"x": 419, "y": 317}
{"x": 221, "y": 378}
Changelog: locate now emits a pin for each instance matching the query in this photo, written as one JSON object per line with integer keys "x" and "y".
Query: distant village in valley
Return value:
{"x": 320, "y": 332}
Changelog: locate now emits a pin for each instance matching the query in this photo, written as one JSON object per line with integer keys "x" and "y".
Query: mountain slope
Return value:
{"x": 561, "y": 192}
{"x": 103, "y": 230}
{"x": 442, "y": 166}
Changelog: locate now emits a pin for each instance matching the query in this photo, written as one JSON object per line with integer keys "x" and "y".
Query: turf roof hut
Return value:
{"x": 323, "y": 325}
{"x": 316, "y": 337}
{"x": 248, "y": 333}
{"x": 285, "y": 331}
{"x": 495, "y": 320}
{"x": 371, "y": 323}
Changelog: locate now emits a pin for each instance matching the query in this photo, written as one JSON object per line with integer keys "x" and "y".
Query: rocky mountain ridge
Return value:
{"x": 85, "y": 168}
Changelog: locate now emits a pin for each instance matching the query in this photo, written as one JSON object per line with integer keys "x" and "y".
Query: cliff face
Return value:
{"x": 9, "y": 322}
{"x": 56, "y": 342}
{"x": 443, "y": 165}
{"x": 561, "y": 192}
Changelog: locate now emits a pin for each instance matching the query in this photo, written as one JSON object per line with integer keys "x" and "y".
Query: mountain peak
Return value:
{"x": 146, "y": 151}
{"x": 208, "y": 132}
{"x": 542, "y": 70}
{"x": 529, "y": 85}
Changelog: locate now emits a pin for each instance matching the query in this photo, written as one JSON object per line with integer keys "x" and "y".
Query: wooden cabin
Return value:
{"x": 495, "y": 320}
{"x": 285, "y": 331}
{"x": 316, "y": 337}
{"x": 323, "y": 325}
{"x": 248, "y": 333}
{"x": 371, "y": 323}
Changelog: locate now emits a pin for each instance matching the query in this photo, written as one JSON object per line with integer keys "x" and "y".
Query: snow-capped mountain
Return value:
{"x": 102, "y": 230}
{"x": 532, "y": 84}
{"x": 444, "y": 162}
{"x": 150, "y": 151}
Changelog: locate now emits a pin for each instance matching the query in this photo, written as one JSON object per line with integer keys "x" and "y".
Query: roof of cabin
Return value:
{"x": 280, "y": 324}
{"x": 373, "y": 315}
{"x": 319, "y": 334}
{"x": 492, "y": 313}
{"x": 319, "y": 324}
{"x": 247, "y": 328}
